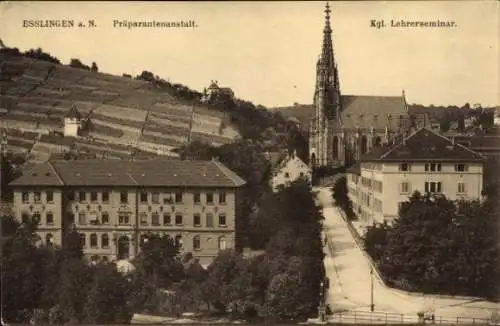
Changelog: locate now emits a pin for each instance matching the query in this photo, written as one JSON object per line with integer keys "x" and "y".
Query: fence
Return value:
{"x": 381, "y": 318}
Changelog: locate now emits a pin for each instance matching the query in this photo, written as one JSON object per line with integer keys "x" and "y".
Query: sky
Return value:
{"x": 267, "y": 51}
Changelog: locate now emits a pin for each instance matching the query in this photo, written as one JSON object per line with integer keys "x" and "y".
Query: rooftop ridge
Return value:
{"x": 237, "y": 180}
{"x": 56, "y": 173}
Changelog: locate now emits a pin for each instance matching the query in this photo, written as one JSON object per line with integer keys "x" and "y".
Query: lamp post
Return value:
{"x": 372, "y": 305}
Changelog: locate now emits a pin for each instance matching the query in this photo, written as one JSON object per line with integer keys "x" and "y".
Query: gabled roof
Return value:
{"x": 424, "y": 145}
{"x": 361, "y": 111}
{"x": 154, "y": 172}
{"x": 73, "y": 113}
{"x": 283, "y": 163}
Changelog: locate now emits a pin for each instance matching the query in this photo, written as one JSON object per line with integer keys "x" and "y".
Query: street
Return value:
{"x": 350, "y": 279}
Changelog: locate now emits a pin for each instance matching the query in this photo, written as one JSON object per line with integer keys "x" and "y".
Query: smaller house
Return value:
{"x": 72, "y": 122}
{"x": 290, "y": 169}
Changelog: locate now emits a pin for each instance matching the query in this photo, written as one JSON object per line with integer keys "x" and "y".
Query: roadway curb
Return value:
{"x": 356, "y": 236}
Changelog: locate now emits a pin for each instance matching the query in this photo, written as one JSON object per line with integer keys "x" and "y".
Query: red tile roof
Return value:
{"x": 154, "y": 172}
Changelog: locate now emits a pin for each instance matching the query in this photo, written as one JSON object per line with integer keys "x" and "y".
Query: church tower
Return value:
{"x": 326, "y": 100}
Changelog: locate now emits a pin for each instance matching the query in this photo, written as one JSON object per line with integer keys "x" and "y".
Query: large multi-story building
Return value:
{"x": 424, "y": 161}
{"x": 113, "y": 204}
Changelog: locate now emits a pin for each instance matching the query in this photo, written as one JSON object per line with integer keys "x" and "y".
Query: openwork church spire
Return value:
{"x": 327, "y": 50}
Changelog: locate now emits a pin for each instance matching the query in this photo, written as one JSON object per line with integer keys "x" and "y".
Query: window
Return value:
{"x": 25, "y": 217}
{"x": 49, "y": 218}
{"x": 105, "y": 218}
{"x": 93, "y": 196}
{"x": 287, "y": 175}
{"x": 404, "y": 167}
{"x": 196, "y": 198}
{"x": 83, "y": 240}
{"x": 105, "y": 196}
{"x": 210, "y": 220}
{"x": 93, "y": 240}
{"x": 405, "y": 187}
{"x": 36, "y": 217}
{"x": 178, "y": 241}
{"x": 222, "y": 197}
{"x": 222, "y": 243}
{"x": 433, "y": 187}
{"x": 50, "y": 196}
{"x": 222, "y": 219}
{"x": 155, "y": 198}
{"x": 178, "y": 197}
{"x": 433, "y": 167}
{"x": 197, "y": 219}
{"x": 105, "y": 241}
{"x": 25, "y": 197}
{"x": 167, "y": 199}
{"x": 81, "y": 196}
{"x": 178, "y": 219}
{"x": 37, "y": 196}
{"x": 71, "y": 195}
{"x": 196, "y": 243}
{"x": 82, "y": 218}
{"x": 144, "y": 219}
{"x": 123, "y": 197}
{"x": 210, "y": 198}
{"x": 123, "y": 219}
{"x": 301, "y": 174}
{"x": 461, "y": 188}
{"x": 461, "y": 167}
{"x": 167, "y": 220}
{"x": 155, "y": 218}
{"x": 144, "y": 197}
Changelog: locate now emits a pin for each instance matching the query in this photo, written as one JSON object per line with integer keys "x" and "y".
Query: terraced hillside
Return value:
{"x": 125, "y": 115}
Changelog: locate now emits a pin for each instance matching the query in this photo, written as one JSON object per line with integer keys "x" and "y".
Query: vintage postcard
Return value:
{"x": 250, "y": 162}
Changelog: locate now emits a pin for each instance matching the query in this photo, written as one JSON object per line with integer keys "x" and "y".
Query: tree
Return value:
{"x": 108, "y": 297}
{"x": 94, "y": 67}
{"x": 440, "y": 246}
{"x": 76, "y": 63}
{"x": 339, "y": 194}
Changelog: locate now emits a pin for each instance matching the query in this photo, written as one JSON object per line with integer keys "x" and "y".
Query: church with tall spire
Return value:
{"x": 344, "y": 127}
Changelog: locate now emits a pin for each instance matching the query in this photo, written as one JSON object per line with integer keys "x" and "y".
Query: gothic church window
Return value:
{"x": 364, "y": 144}
{"x": 335, "y": 150}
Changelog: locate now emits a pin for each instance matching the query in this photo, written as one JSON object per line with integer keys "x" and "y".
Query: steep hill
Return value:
{"x": 126, "y": 115}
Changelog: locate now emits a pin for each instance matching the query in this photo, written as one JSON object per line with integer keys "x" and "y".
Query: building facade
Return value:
{"x": 424, "y": 161}
{"x": 72, "y": 122}
{"x": 114, "y": 204}
{"x": 289, "y": 170}
{"x": 344, "y": 127}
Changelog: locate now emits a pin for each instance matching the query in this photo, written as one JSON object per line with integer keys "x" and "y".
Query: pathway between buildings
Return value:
{"x": 350, "y": 281}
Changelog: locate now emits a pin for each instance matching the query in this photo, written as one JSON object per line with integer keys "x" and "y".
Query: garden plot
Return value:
{"x": 121, "y": 112}
{"x": 136, "y": 99}
{"x": 29, "y": 107}
{"x": 131, "y": 125}
{"x": 15, "y": 133}
{"x": 24, "y": 144}
{"x": 165, "y": 121}
{"x": 210, "y": 138}
{"x": 174, "y": 109}
{"x": 166, "y": 130}
{"x": 154, "y": 140}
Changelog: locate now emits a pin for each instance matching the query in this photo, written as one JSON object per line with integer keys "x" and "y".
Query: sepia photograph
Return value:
{"x": 250, "y": 162}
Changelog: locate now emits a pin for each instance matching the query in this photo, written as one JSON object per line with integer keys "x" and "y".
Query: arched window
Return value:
{"x": 335, "y": 147}
{"x": 48, "y": 240}
{"x": 313, "y": 159}
{"x": 222, "y": 243}
{"x": 93, "y": 240}
{"x": 105, "y": 240}
{"x": 196, "y": 243}
{"x": 364, "y": 144}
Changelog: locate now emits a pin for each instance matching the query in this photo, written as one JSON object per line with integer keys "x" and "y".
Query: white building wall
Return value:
{"x": 71, "y": 127}
{"x": 291, "y": 171}
{"x": 379, "y": 191}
